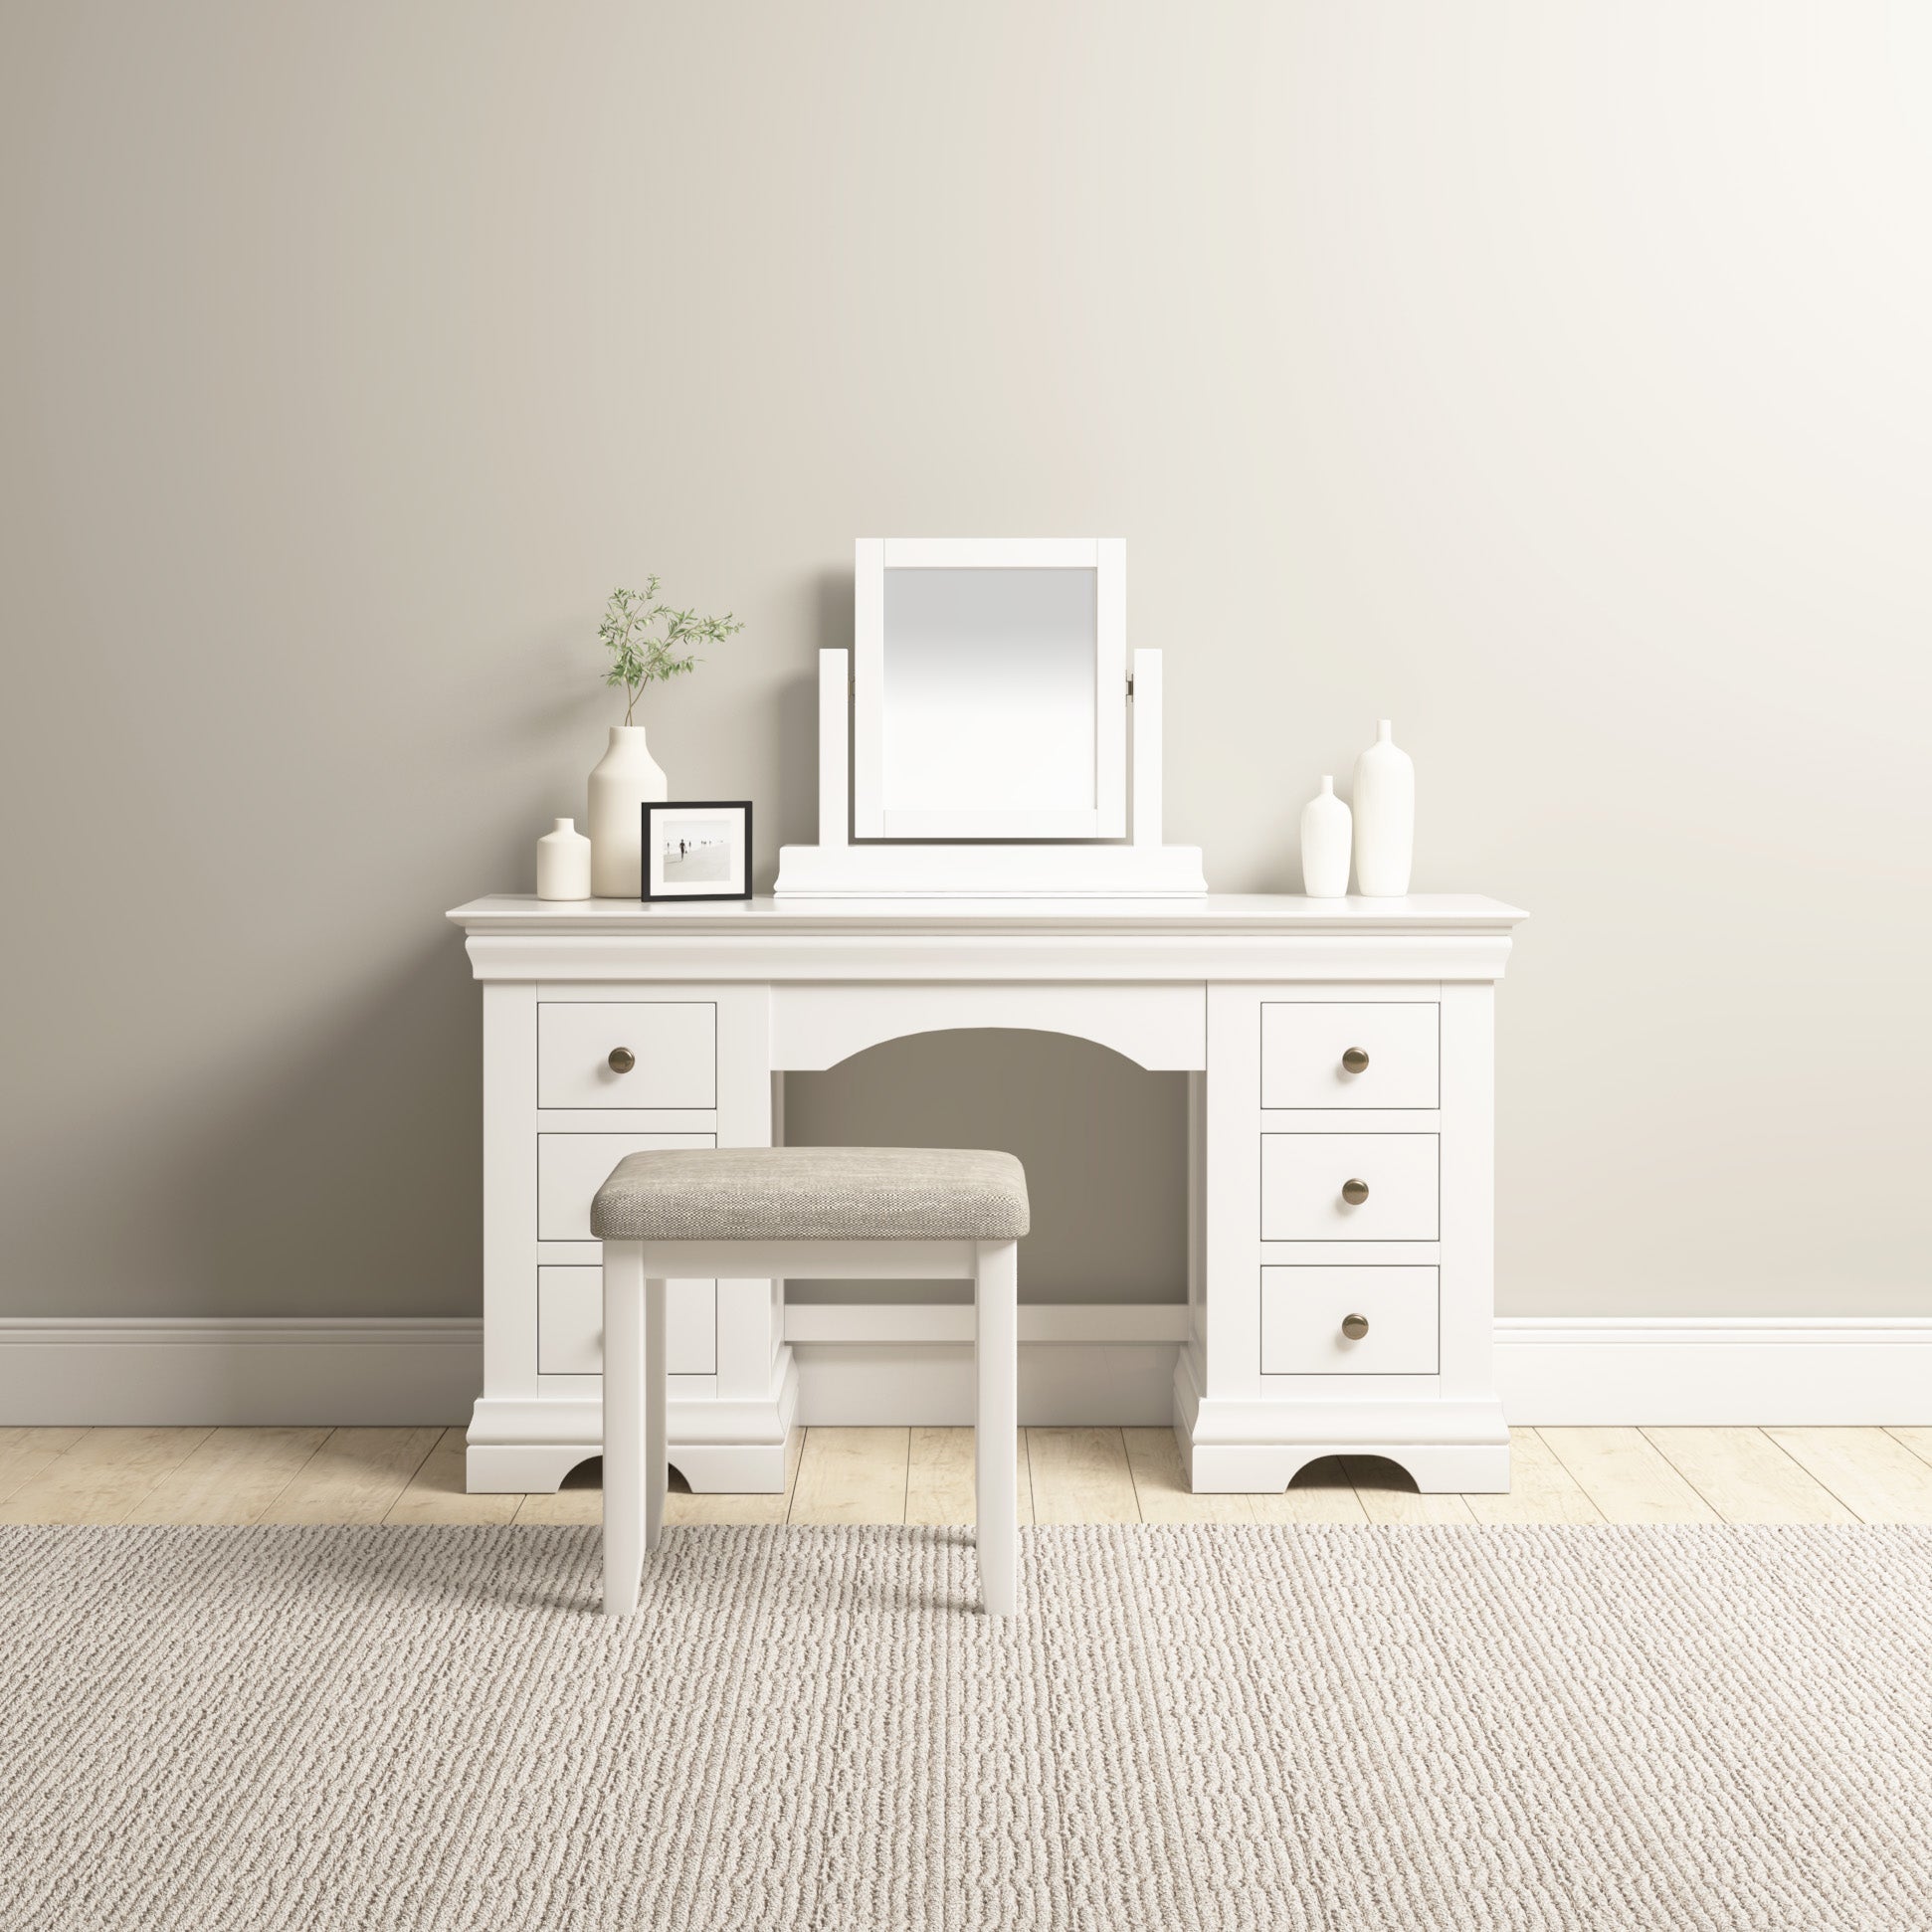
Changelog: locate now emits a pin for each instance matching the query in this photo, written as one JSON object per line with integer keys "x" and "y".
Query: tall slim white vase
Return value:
{"x": 1325, "y": 827}
{"x": 1385, "y": 818}
{"x": 624, "y": 777}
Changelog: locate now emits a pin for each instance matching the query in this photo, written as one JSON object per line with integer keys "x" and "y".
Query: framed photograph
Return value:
{"x": 697, "y": 852}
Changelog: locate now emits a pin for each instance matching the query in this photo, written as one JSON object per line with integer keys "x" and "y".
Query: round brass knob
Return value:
{"x": 1356, "y": 1060}
{"x": 1355, "y": 1326}
{"x": 1355, "y": 1192}
{"x": 622, "y": 1060}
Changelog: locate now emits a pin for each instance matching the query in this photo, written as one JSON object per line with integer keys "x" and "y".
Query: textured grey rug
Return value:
{"x": 1344, "y": 1728}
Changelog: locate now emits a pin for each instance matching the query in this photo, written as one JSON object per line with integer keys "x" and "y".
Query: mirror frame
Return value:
{"x": 1107, "y": 558}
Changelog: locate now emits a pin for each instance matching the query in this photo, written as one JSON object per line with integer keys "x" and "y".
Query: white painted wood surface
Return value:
{"x": 672, "y": 1045}
{"x": 1148, "y": 750}
{"x": 1305, "y": 1311}
{"x": 983, "y": 813}
{"x": 835, "y": 746}
{"x": 1307, "y": 1047}
{"x": 1308, "y": 1183}
{"x": 636, "y": 1277}
{"x": 1192, "y": 987}
{"x": 571, "y": 1167}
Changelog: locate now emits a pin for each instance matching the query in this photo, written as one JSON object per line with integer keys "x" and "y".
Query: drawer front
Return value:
{"x": 571, "y": 1324}
{"x": 570, "y": 1168}
{"x": 1312, "y": 1053}
{"x": 1304, "y": 1177}
{"x": 1303, "y": 1309}
{"x": 673, "y": 1046}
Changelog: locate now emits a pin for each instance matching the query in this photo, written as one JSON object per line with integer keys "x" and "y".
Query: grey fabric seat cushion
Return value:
{"x": 813, "y": 1194}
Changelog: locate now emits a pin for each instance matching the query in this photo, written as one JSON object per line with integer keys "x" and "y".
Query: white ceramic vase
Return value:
{"x": 563, "y": 862}
{"x": 1385, "y": 818}
{"x": 1325, "y": 830}
{"x": 626, "y": 776}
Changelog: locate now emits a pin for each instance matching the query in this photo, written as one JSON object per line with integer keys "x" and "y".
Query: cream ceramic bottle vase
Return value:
{"x": 1324, "y": 845}
{"x": 1385, "y": 818}
{"x": 626, "y": 776}
{"x": 563, "y": 862}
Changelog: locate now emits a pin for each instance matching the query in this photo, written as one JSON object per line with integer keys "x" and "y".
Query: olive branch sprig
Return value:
{"x": 650, "y": 642}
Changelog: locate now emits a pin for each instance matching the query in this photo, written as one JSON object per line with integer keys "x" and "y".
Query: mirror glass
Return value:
{"x": 988, "y": 697}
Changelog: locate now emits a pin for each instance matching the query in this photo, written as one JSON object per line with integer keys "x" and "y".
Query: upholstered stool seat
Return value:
{"x": 805, "y": 1212}
{"x": 813, "y": 1194}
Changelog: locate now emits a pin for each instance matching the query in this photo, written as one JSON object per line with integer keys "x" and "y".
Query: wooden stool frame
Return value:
{"x": 636, "y": 1459}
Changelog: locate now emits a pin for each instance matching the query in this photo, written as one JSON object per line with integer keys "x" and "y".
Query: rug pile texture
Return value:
{"x": 1188, "y": 1729}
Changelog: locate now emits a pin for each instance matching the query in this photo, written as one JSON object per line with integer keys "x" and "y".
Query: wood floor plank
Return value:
{"x": 1621, "y": 1476}
{"x": 1080, "y": 1476}
{"x": 682, "y": 1507}
{"x": 940, "y": 1476}
{"x": 25, "y": 1452}
{"x": 1541, "y": 1489}
{"x": 354, "y": 1477}
{"x": 1625, "y": 1476}
{"x": 232, "y": 1476}
{"x": 1154, "y": 1463}
{"x": 1384, "y": 1498}
{"x": 1746, "y": 1477}
{"x": 436, "y": 1494}
{"x": 1320, "y": 1493}
{"x": 851, "y": 1476}
{"x": 1869, "y": 1470}
{"x": 101, "y": 1477}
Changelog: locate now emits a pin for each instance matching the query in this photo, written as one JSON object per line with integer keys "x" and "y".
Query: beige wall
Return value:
{"x": 1552, "y": 378}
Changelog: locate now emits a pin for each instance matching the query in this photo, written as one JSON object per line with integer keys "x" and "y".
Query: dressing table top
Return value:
{"x": 1220, "y": 913}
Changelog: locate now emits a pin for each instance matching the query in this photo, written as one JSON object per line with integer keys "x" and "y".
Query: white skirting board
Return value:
{"x": 912, "y": 1364}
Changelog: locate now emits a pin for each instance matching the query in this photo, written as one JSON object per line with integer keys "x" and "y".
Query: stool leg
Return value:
{"x": 996, "y": 1486}
{"x": 657, "y": 1447}
{"x": 625, "y": 1369}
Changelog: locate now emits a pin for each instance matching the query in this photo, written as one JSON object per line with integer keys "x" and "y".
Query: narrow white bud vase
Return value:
{"x": 624, "y": 777}
{"x": 1385, "y": 818}
{"x": 1325, "y": 827}
{"x": 563, "y": 862}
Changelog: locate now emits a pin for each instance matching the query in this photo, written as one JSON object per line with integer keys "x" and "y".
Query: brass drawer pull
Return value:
{"x": 1356, "y": 1060}
{"x": 622, "y": 1060}
{"x": 1355, "y": 1326}
{"x": 1355, "y": 1192}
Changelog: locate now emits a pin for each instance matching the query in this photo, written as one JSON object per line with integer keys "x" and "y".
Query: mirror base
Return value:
{"x": 929, "y": 871}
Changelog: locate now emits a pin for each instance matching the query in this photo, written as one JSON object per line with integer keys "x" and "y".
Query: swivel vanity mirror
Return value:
{"x": 990, "y": 683}
{"x": 990, "y": 709}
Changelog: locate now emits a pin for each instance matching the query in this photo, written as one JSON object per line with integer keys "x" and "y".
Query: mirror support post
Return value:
{"x": 834, "y": 678}
{"x": 1147, "y": 747}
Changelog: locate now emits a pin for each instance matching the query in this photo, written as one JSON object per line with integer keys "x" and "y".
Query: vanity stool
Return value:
{"x": 808, "y": 1214}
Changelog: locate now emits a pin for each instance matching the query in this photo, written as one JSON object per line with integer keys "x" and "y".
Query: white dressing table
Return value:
{"x": 1340, "y": 1054}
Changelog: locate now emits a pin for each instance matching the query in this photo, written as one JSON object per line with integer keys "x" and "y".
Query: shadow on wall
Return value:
{"x": 341, "y": 1175}
{"x": 1103, "y": 1143}
{"x": 795, "y": 807}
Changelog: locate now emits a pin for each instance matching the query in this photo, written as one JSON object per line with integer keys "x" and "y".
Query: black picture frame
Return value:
{"x": 664, "y": 810}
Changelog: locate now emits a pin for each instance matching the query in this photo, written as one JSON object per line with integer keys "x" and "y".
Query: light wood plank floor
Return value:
{"x": 925, "y": 1476}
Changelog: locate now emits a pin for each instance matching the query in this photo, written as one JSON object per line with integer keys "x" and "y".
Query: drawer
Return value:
{"x": 570, "y": 1324}
{"x": 1303, "y": 1048}
{"x": 1303, "y": 1175}
{"x": 673, "y": 1046}
{"x": 1303, "y": 1309}
{"x": 570, "y": 1168}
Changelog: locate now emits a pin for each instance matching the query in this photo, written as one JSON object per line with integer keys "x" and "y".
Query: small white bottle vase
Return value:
{"x": 563, "y": 862}
{"x": 624, "y": 777}
{"x": 1325, "y": 829}
{"x": 1385, "y": 818}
